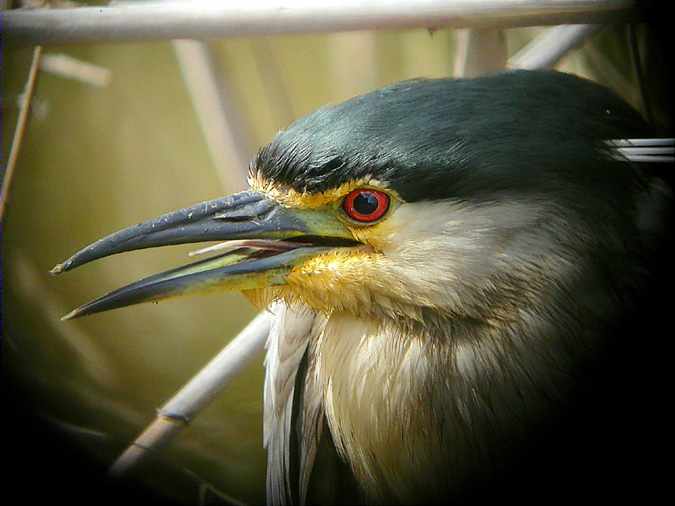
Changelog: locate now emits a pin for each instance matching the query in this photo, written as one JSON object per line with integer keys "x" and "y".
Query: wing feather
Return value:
{"x": 292, "y": 406}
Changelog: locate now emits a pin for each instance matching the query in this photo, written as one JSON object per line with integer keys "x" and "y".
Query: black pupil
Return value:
{"x": 366, "y": 203}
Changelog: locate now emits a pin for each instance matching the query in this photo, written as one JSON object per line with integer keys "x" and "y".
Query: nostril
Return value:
{"x": 247, "y": 212}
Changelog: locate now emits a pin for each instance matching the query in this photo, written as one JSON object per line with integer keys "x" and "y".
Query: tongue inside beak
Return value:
{"x": 244, "y": 268}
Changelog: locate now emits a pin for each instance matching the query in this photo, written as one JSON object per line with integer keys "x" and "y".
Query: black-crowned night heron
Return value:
{"x": 452, "y": 264}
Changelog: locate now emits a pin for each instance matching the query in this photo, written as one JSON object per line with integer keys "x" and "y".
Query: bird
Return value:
{"x": 458, "y": 271}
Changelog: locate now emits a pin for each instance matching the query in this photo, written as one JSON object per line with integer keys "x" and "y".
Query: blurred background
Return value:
{"x": 104, "y": 154}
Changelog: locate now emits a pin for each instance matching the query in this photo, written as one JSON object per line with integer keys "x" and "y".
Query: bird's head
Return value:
{"x": 458, "y": 199}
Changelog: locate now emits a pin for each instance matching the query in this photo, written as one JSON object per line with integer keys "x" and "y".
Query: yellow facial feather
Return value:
{"x": 372, "y": 234}
{"x": 343, "y": 279}
{"x": 289, "y": 197}
{"x": 340, "y": 280}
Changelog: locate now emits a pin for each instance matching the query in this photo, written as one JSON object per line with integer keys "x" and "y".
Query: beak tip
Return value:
{"x": 59, "y": 268}
{"x": 70, "y": 316}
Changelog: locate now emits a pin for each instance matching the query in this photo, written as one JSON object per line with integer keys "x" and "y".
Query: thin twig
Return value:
{"x": 550, "y": 46}
{"x": 177, "y": 413}
{"x": 225, "y": 130}
{"x": 479, "y": 52}
{"x": 201, "y": 20}
{"x": 20, "y": 129}
{"x": 66, "y": 66}
{"x": 271, "y": 79}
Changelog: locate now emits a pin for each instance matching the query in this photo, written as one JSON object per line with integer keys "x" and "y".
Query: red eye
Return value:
{"x": 366, "y": 205}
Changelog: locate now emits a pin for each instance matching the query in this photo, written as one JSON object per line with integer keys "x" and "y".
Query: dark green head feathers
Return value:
{"x": 533, "y": 131}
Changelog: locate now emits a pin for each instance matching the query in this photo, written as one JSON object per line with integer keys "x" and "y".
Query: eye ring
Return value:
{"x": 365, "y": 205}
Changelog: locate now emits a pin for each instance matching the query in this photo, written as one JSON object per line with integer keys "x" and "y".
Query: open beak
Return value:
{"x": 264, "y": 241}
